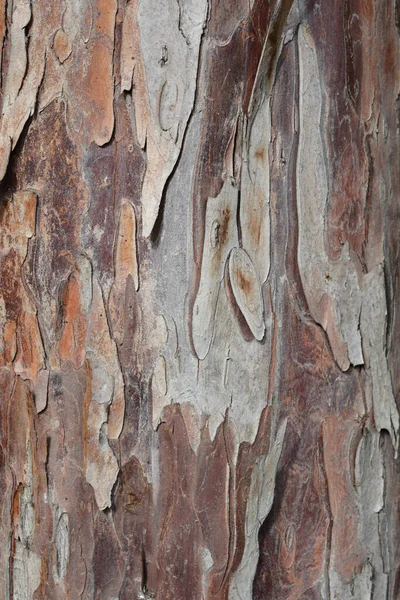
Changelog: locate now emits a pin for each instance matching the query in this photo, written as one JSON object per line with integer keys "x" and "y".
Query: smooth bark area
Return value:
{"x": 199, "y": 324}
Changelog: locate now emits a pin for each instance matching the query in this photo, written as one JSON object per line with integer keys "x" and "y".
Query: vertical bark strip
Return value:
{"x": 199, "y": 324}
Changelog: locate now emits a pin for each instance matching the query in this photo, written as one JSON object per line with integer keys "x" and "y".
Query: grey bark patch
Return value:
{"x": 61, "y": 543}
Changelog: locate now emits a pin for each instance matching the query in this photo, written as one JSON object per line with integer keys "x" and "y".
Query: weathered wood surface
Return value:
{"x": 199, "y": 324}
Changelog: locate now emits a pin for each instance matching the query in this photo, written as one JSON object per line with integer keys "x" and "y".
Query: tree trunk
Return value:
{"x": 199, "y": 339}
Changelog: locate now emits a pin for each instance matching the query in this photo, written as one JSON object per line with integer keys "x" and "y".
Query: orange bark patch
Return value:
{"x": 340, "y": 432}
{"x": 62, "y": 45}
{"x": 10, "y": 342}
{"x": 244, "y": 283}
{"x": 95, "y": 105}
{"x": 72, "y": 343}
{"x": 30, "y": 350}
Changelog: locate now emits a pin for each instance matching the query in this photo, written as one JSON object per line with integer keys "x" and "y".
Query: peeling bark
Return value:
{"x": 199, "y": 325}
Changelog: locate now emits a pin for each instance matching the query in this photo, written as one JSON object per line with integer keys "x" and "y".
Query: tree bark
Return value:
{"x": 199, "y": 324}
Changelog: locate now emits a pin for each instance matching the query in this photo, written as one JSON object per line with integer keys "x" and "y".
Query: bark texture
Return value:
{"x": 199, "y": 324}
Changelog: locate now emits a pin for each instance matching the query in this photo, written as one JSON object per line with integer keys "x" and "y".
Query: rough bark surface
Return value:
{"x": 199, "y": 324}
